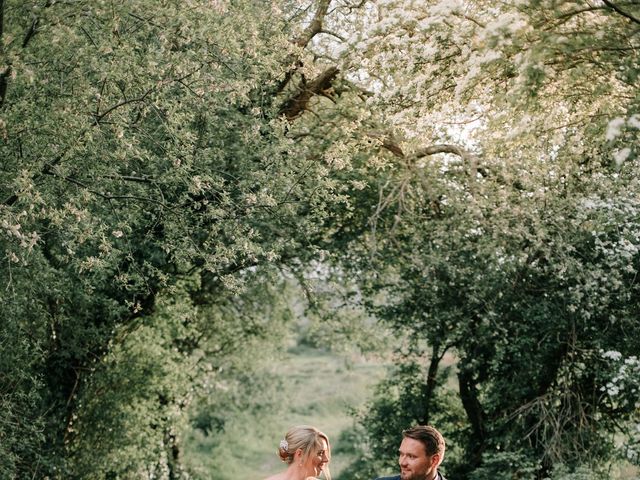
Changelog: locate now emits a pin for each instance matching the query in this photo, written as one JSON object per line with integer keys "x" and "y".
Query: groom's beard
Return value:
{"x": 418, "y": 476}
{"x": 412, "y": 476}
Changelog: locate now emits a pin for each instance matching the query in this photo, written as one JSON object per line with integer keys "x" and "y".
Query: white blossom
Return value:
{"x": 634, "y": 121}
{"x": 619, "y": 156}
{"x": 612, "y": 354}
{"x": 614, "y": 128}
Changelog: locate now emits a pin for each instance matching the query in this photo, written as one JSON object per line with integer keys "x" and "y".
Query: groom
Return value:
{"x": 421, "y": 452}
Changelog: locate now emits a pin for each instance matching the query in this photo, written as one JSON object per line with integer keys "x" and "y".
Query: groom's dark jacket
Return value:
{"x": 397, "y": 477}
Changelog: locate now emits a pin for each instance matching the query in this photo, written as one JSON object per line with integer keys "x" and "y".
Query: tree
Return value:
{"x": 161, "y": 157}
{"x": 501, "y": 257}
{"x": 150, "y": 170}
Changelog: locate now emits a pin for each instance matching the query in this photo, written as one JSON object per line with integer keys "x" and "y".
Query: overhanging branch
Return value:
{"x": 315, "y": 26}
{"x": 467, "y": 157}
{"x": 303, "y": 40}
{"x": 620, "y": 11}
{"x": 293, "y": 107}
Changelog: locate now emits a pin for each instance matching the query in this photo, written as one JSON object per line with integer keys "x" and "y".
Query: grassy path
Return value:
{"x": 319, "y": 389}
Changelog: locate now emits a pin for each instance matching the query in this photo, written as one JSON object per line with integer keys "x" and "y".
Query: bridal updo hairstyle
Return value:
{"x": 306, "y": 438}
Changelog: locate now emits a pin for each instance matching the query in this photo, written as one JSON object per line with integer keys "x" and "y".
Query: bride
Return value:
{"x": 306, "y": 452}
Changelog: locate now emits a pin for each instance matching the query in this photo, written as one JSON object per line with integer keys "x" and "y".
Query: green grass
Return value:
{"x": 319, "y": 389}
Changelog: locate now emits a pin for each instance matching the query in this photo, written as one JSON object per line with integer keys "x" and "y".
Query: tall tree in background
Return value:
{"x": 150, "y": 169}
{"x": 521, "y": 257}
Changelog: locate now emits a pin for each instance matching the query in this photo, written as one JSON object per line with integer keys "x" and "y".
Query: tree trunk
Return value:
{"x": 475, "y": 415}
{"x": 432, "y": 375}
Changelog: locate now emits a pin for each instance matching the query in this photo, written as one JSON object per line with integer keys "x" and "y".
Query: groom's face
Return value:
{"x": 414, "y": 462}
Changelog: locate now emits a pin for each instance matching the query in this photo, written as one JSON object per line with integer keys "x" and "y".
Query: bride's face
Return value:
{"x": 316, "y": 462}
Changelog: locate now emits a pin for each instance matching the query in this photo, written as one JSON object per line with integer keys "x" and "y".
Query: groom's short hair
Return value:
{"x": 431, "y": 438}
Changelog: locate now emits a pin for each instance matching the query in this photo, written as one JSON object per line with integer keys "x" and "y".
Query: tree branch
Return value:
{"x": 616, "y": 8}
{"x": 350, "y": 7}
{"x": 4, "y": 81}
{"x": 315, "y": 26}
{"x": 293, "y": 107}
{"x": 469, "y": 158}
{"x": 333, "y": 34}
{"x": 33, "y": 29}
{"x": 475, "y": 415}
{"x": 431, "y": 382}
{"x": 303, "y": 40}
{"x": 1, "y": 20}
{"x": 99, "y": 117}
{"x": 106, "y": 196}
{"x": 131, "y": 178}
{"x": 4, "y": 76}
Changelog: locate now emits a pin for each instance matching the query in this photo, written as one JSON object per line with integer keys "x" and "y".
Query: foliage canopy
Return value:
{"x": 470, "y": 166}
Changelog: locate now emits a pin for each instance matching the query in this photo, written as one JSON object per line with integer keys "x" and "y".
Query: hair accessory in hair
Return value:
{"x": 284, "y": 445}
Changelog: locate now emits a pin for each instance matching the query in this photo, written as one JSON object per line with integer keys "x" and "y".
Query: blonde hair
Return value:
{"x": 306, "y": 438}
